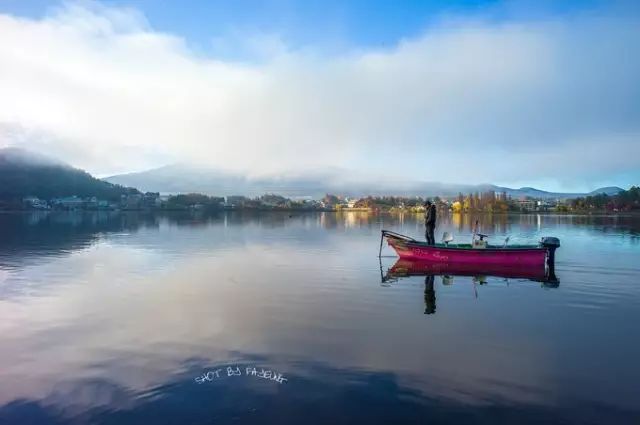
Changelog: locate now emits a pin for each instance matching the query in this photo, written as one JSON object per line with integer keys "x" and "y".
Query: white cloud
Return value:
{"x": 98, "y": 87}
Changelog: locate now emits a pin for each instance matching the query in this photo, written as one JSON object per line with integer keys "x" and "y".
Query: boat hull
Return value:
{"x": 526, "y": 257}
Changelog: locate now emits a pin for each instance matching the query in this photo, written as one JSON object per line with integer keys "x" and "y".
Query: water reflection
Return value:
{"x": 354, "y": 397}
{"x": 500, "y": 224}
{"x": 51, "y": 233}
{"x": 404, "y": 268}
{"x": 108, "y": 318}
{"x": 429, "y": 294}
{"x": 28, "y": 237}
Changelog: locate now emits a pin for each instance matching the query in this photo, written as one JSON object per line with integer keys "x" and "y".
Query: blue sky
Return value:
{"x": 541, "y": 93}
{"x": 333, "y": 25}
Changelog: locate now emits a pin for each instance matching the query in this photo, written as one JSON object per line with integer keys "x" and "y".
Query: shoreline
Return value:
{"x": 335, "y": 211}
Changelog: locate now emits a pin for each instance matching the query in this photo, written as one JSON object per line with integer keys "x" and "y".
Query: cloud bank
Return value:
{"x": 468, "y": 101}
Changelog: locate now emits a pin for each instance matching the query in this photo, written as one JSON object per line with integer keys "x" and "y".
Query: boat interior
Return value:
{"x": 478, "y": 242}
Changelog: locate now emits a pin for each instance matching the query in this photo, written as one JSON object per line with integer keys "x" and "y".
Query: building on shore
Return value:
{"x": 131, "y": 201}
{"x": 68, "y": 203}
{"x": 536, "y": 205}
{"x": 33, "y": 202}
{"x": 234, "y": 201}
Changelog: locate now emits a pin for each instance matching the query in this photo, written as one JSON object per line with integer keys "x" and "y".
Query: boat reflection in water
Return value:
{"x": 406, "y": 268}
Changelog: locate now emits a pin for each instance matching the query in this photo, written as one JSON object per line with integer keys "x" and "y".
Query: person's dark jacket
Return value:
{"x": 430, "y": 215}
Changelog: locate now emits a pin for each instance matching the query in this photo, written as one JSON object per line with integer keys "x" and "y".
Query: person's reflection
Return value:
{"x": 429, "y": 295}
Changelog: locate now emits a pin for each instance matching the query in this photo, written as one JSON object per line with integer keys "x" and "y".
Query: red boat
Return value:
{"x": 478, "y": 254}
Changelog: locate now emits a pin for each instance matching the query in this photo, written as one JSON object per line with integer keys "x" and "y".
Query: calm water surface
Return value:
{"x": 236, "y": 318}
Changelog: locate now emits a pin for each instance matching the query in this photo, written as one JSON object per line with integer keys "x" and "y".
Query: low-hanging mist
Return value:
{"x": 469, "y": 100}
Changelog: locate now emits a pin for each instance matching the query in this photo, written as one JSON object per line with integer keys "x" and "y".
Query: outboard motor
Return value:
{"x": 551, "y": 244}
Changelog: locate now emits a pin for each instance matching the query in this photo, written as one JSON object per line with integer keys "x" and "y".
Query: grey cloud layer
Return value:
{"x": 103, "y": 89}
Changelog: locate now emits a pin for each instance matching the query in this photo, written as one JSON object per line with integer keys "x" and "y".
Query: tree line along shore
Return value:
{"x": 487, "y": 202}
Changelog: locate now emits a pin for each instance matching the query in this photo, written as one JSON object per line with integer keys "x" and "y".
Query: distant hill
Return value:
{"x": 183, "y": 179}
{"x": 609, "y": 190}
{"x": 537, "y": 193}
{"x": 23, "y": 173}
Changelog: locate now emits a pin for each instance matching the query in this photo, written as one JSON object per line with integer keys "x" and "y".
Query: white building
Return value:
{"x": 35, "y": 203}
{"x": 69, "y": 202}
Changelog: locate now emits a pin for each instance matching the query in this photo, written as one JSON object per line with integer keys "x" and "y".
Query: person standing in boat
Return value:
{"x": 430, "y": 222}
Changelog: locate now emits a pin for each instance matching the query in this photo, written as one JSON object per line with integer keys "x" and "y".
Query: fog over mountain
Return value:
{"x": 550, "y": 99}
{"x": 179, "y": 178}
{"x": 24, "y": 173}
{"x": 22, "y": 157}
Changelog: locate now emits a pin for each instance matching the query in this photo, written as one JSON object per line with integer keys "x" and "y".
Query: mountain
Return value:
{"x": 182, "y": 179}
{"x": 609, "y": 190}
{"x": 24, "y": 173}
{"x": 541, "y": 194}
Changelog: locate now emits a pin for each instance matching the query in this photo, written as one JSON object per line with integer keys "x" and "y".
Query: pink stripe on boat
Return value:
{"x": 533, "y": 256}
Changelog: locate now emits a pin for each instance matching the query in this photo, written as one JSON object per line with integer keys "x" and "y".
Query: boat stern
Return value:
{"x": 551, "y": 244}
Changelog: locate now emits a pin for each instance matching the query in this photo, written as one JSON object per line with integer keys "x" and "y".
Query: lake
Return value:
{"x": 291, "y": 318}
